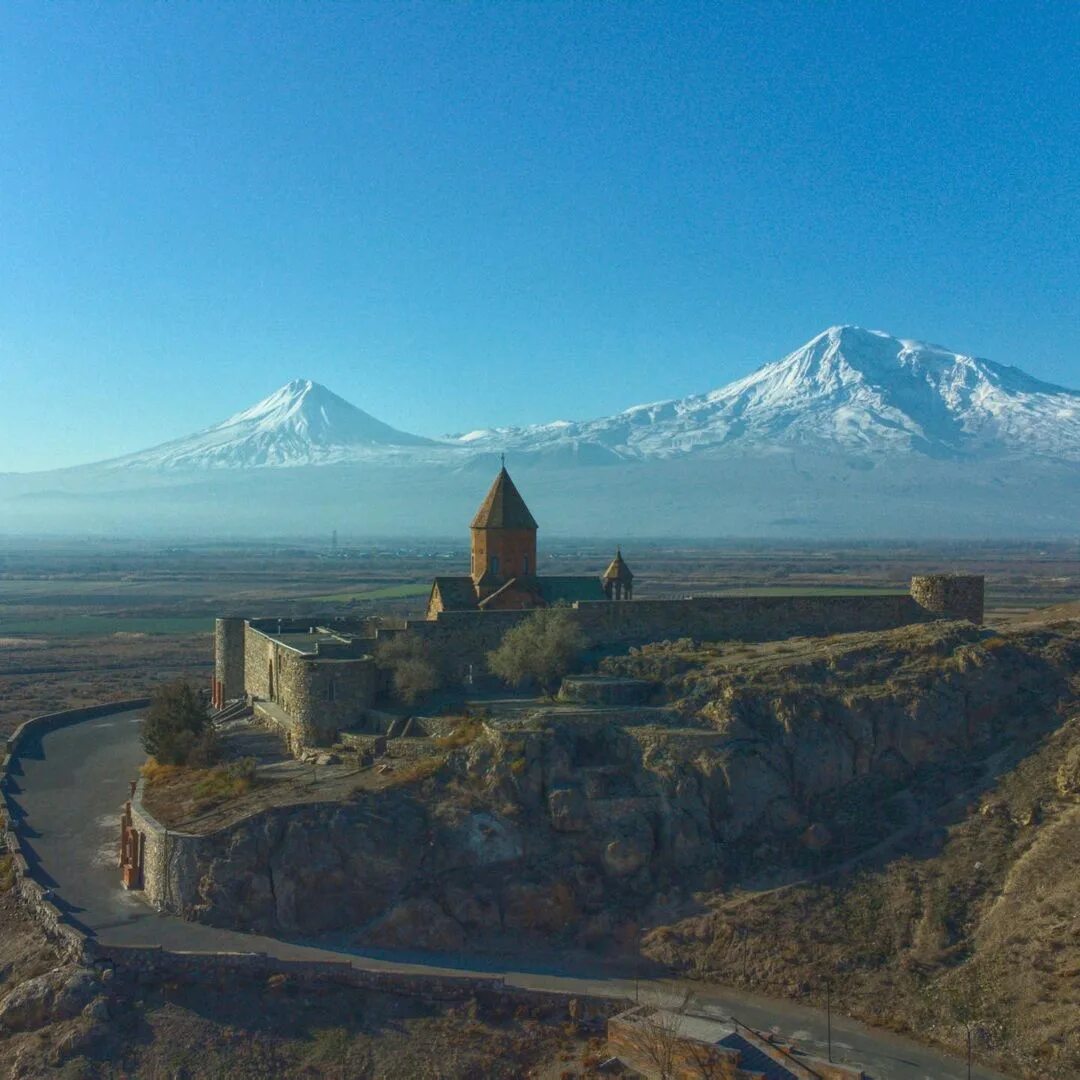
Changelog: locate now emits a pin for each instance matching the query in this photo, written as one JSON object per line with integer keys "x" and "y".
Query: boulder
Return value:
{"x": 625, "y": 855}
{"x": 543, "y": 908}
{"x": 59, "y": 994}
{"x": 816, "y": 838}
{"x": 474, "y": 909}
{"x": 419, "y": 923}
{"x": 630, "y": 849}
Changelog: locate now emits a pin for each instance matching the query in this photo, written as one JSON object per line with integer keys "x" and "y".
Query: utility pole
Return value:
{"x": 828, "y": 1014}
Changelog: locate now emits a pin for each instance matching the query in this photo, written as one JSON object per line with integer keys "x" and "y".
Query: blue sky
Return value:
{"x": 456, "y": 215}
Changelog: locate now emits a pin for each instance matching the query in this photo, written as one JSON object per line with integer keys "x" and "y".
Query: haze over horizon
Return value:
{"x": 455, "y": 217}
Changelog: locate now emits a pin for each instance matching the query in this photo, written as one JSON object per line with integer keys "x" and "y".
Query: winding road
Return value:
{"x": 69, "y": 784}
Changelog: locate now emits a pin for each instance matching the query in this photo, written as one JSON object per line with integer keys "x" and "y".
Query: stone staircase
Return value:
{"x": 233, "y": 710}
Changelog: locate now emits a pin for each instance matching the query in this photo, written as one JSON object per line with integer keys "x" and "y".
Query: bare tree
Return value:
{"x": 659, "y": 1041}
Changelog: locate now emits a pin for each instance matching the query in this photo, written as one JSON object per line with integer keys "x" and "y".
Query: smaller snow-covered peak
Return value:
{"x": 301, "y": 423}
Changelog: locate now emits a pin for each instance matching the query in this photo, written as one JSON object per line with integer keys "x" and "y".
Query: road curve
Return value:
{"x": 69, "y": 784}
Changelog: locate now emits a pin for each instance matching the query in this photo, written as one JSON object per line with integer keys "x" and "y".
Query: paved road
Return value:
{"x": 71, "y": 783}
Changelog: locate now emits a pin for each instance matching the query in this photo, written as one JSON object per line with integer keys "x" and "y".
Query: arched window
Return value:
{"x": 525, "y": 564}
{"x": 494, "y": 564}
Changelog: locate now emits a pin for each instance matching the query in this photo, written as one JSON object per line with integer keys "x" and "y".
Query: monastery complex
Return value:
{"x": 317, "y": 677}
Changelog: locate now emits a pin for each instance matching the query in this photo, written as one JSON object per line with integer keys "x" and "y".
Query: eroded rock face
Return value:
{"x": 59, "y": 994}
{"x": 568, "y": 809}
{"x": 309, "y": 868}
{"x": 418, "y": 923}
{"x": 571, "y": 825}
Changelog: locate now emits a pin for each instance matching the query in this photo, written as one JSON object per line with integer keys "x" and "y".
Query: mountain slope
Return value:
{"x": 848, "y": 390}
{"x": 302, "y": 423}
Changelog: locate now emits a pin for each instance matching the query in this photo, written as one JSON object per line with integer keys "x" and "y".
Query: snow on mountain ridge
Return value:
{"x": 847, "y": 389}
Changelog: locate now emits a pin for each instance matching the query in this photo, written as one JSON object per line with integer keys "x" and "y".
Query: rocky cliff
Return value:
{"x": 757, "y": 764}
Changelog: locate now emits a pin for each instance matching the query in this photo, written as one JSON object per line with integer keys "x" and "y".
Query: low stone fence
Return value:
{"x": 37, "y": 899}
{"x": 155, "y": 962}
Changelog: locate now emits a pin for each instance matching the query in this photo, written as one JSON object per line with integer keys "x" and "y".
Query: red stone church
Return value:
{"x": 503, "y": 573}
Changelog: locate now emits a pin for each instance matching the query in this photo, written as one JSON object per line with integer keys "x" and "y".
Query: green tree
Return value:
{"x": 177, "y": 730}
{"x": 542, "y": 649}
{"x": 413, "y": 670}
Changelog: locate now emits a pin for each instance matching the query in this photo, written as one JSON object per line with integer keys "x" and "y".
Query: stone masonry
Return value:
{"x": 322, "y": 676}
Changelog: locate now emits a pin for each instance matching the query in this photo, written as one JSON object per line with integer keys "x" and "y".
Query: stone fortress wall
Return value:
{"x": 951, "y": 596}
{"x": 315, "y": 691}
{"x": 316, "y": 694}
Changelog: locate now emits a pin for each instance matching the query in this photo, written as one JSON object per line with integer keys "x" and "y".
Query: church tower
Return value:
{"x": 617, "y": 579}
{"x": 503, "y": 537}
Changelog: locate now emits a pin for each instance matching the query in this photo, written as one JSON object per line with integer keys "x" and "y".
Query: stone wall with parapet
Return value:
{"x": 463, "y": 638}
{"x": 170, "y": 858}
{"x": 320, "y": 697}
{"x": 951, "y": 596}
{"x": 36, "y": 899}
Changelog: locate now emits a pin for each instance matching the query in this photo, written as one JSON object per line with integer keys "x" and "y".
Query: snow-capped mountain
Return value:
{"x": 850, "y": 390}
{"x": 302, "y": 423}
{"x": 855, "y": 435}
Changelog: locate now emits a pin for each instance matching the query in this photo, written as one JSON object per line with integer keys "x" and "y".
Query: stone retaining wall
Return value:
{"x": 169, "y": 850}
{"x": 35, "y": 898}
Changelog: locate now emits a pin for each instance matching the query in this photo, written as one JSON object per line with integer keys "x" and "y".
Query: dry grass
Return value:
{"x": 69, "y": 672}
{"x": 176, "y": 793}
{"x": 7, "y": 873}
{"x": 464, "y": 734}
{"x": 418, "y": 771}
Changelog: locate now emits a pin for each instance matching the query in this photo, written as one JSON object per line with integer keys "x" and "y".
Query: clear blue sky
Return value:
{"x": 457, "y": 215}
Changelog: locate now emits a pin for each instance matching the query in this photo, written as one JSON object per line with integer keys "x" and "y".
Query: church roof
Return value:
{"x": 617, "y": 569}
{"x": 503, "y": 508}
{"x": 456, "y": 593}
{"x": 569, "y": 590}
{"x": 551, "y": 590}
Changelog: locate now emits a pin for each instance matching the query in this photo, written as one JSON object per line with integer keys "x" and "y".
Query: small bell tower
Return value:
{"x": 617, "y": 579}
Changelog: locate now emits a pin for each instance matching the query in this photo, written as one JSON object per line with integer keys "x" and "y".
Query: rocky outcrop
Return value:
{"x": 571, "y": 823}
{"x": 60, "y": 994}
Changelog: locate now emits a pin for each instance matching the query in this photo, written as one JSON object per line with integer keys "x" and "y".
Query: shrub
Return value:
{"x": 542, "y": 649}
{"x": 412, "y": 667}
{"x": 177, "y": 730}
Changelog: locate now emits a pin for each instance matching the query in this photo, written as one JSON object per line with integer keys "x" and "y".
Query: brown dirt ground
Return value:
{"x": 39, "y": 675}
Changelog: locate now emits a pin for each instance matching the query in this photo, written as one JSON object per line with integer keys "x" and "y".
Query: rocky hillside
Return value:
{"x": 758, "y": 764}
{"x": 968, "y": 913}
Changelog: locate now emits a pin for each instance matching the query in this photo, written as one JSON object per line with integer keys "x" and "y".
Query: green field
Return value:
{"x": 383, "y": 592}
{"x": 101, "y": 625}
{"x": 810, "y": 590}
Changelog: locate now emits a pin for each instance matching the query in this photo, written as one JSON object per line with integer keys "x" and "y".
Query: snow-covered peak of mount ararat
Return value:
{"x": 849, "y": 390}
